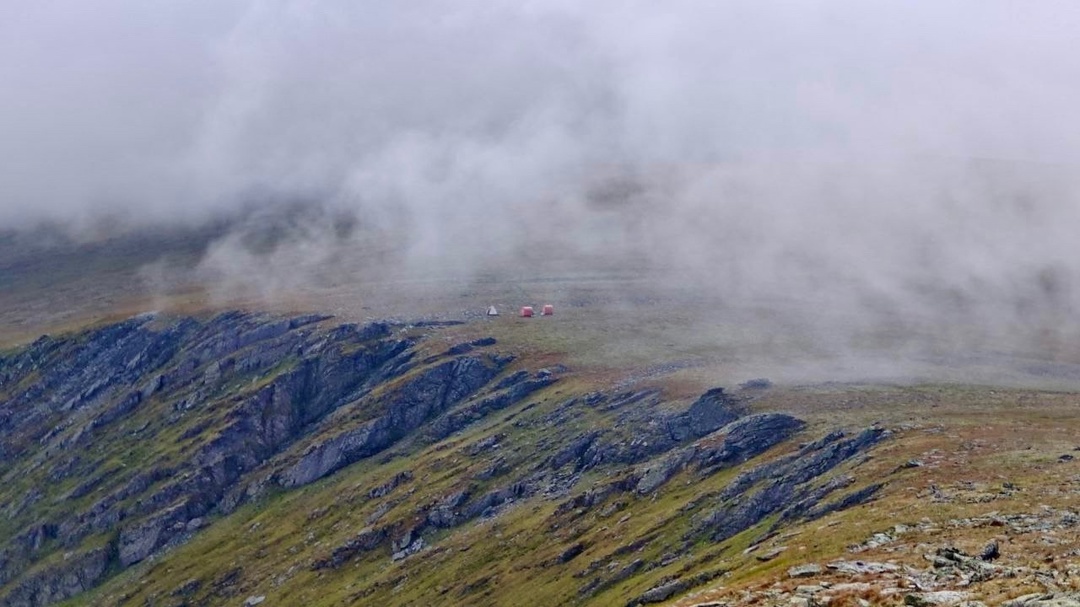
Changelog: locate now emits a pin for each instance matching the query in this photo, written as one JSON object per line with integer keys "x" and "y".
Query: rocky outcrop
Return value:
{"x": 736, "y": 442}
{"x": 786, "y": 481}
{"x": 1045, "y": 599}
{"x": 710, "y": 412}
{"x": 236, "y": 393}
{"x": 510, "y": 391}
{"x": 56, "y": 583}
{"x": 406, "y": 408}
{"x": 366, "y": 540}
{"x": 661, "y": 593}
{"x": 747, "y": 438}
{"x": 733, "y": 444}
{"x": 921, "y": 571}
{"x": 652, "y": 434}
{"x": 670, "y": 588}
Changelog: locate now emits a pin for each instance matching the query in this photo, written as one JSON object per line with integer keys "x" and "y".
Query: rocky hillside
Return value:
{"x": 242, "y": 457}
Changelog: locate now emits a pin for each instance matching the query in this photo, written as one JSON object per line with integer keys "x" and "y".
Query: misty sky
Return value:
{"x": 886, "y": 147}
{"x": 166, "y": 109}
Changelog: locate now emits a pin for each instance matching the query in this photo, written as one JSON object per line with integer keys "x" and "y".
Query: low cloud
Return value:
{"x": 904, "y": 163}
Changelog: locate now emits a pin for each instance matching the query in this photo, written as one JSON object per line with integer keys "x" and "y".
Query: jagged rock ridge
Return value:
{"x": 233, "y": 392}
{"x": 125, "y": 441}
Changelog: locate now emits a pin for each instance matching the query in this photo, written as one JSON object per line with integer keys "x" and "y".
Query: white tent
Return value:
{"x": 492, "y": 311}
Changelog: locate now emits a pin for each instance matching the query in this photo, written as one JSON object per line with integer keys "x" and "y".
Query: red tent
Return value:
{"x": 526, "y": 312}
{"x": 547, "y": 310}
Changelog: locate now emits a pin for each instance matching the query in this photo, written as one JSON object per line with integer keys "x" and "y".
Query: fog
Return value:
{"x": 899, "y": 162}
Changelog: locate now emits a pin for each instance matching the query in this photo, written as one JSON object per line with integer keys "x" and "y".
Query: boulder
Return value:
{"x": 803, "y": 571}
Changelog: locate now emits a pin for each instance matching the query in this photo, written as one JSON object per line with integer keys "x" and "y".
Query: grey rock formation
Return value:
{"x": 80, "y": 572}
{"x": 239, "y": 391}
{"x": 801, "y": 571}
{"x": 1064, "y": 599}
{"x": 710, "y": 412}
{"x": 659, "y": 594}
{"x": 786, "y": 481}
{"x": 748, "y": 438}
{"x": 407, "y": 408}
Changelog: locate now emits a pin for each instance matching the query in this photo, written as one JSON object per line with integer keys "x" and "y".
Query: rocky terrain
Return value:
{"x": 350, "y": 457}
{"x": 947, "y": 575}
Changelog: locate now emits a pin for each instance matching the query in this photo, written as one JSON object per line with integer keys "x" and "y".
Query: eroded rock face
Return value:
{"x": 748, "y": 438}
{"x": 81, "y": 572}
{"x": 232, "y": 394}
{"x": 735, "y": 443}
{"x": 405, "y": 410}
{"x": 787, "y": 481}
{"x": 710, "y": 412}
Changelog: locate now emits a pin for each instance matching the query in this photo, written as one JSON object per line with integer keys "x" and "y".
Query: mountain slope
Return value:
{"x": 190, "y": 460}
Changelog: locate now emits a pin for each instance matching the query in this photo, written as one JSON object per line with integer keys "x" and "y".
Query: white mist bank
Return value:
{"x": 903, "y": 167}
